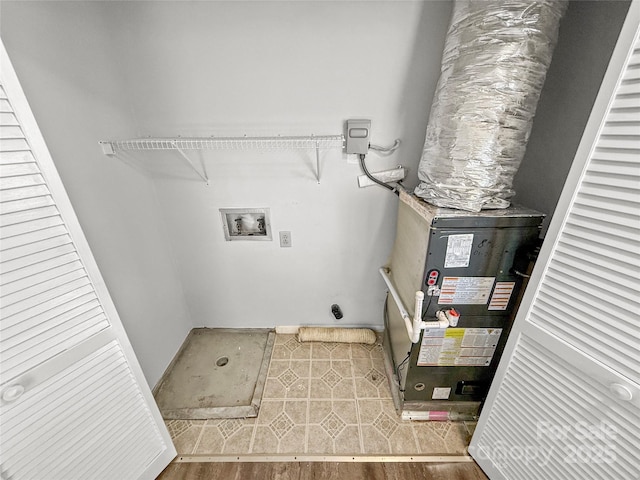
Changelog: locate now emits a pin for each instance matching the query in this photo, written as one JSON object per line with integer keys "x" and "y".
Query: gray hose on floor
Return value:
{"x": 337, "y": 335}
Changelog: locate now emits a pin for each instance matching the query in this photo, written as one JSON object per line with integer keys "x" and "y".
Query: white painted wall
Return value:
{"x": 262, "y": 68}
{"x": 64, "y": 57}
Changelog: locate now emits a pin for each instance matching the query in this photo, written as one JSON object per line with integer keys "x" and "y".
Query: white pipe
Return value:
{"x": 396, "y": 298}
{"x": 442, "y": 322}
{"x": 417, "y": 318}
{"x": 416, "y": 325}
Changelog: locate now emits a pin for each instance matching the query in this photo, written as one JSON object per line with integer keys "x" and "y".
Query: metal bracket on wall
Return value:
{"x": 188, "y": 160}
{"x": 227, "y": 143}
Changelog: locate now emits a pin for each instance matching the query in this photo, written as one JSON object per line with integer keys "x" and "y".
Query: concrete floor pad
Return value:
{"x": 218, "y": 373}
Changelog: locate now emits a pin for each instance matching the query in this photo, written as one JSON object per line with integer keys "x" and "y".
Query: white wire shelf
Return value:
{"x": 230, "y": 143}
{"x": 180, "y": 144}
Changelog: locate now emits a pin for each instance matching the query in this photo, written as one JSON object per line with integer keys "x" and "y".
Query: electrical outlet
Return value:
{"x": 285, "y": 239}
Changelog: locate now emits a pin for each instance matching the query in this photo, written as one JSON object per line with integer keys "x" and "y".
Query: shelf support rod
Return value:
{"x": 188, "y": 160}
{"x": 318, "y": 161}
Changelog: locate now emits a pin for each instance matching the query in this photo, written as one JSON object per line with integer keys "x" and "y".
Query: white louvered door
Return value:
{"x": 73, "y": 401}
{"x": 565, "y": 403}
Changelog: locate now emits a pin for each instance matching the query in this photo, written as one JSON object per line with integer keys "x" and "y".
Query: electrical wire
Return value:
{"x": 385, "y": 315}
{"x": 399, "y": 370}
{"x": 374, "y": 179}
{"x": 386, "y": 150}
{"x": 424, "y": 313}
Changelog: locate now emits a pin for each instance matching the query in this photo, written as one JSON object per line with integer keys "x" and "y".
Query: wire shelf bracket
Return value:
{"x": 181, "y": 144}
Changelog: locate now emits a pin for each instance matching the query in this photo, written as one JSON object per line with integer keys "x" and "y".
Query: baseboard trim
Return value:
{"x": 287, "y": 329}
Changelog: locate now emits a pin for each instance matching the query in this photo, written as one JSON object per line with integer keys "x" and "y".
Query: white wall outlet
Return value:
{"x": 385, "y": 176}
{"x": 285, "y": 239}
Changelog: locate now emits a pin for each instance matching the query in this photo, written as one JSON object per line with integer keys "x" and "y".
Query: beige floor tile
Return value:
{"x": 280, "y": 352}
{"x": 342, "y": 368}
{"x": 238, "y": 442}
{"x": 319, "y": 441}
{"x": 319, "y": 389}
{"x": 265, "y": 440}
{"x": 378, "y": 363}
{"x": 318, "y": 410}
{"x": 298, "y": 389}
{"x": 347, "y": 442}
{"x": 273, "y": 388}
{"x": 321, "y": 350}
{"x": 186, "y": 442}
{"x": 346, "y": 410}
{"x": 211, "y": 442}
{"x": 269, "y": 410}
{"x": 320, "y": 367}
{"x": 373, "y": 441}
{"x": 294, "y": 440}
{"x": 368, "y": 410}
{"x": 282, "y": 338}
{"x": 386, "y": 424}
{"x": 402, "y": 440}
{"x": 302, "y": 368}
{"x": 383, "y": 390}
{"x": 185, "y": 434}
{"x": 277, "y": 367}
{"x": 360, "y": 351}
{"x": 342, "y": 351}
{"x": 303, "y": 351}
{"x": 297, "y": 411}
{"x": 344, "y": 389}
{"x": 428, "y": 442}
{"x": 365, "y": 389}
{"x": 361, "y": 366}
{"x": 456, "y": 439}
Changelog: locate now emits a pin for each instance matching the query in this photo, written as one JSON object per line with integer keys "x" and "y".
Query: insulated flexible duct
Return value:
{"x": 494, "y": 64}
{"x": 337, "y": 335}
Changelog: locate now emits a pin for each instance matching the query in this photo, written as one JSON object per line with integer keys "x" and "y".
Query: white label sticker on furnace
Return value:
{"x": 441, "y": 393}
{"x": 465, "y": 290}
{"x": 458, "y": 250}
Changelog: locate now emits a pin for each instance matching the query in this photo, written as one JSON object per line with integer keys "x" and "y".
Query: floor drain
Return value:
{"x": 222, "y": 361}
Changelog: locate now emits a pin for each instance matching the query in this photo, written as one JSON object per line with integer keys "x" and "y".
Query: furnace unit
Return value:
{"x": 471, "y": 269}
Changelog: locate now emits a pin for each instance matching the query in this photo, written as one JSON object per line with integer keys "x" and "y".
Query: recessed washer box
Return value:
{"x": 246, "y": 223}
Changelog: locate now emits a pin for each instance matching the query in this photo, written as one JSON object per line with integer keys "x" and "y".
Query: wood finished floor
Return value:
{"x": 322, "y": 471}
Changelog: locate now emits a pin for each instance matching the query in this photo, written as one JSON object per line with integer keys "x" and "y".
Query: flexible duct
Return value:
{"x": 338, "y": 335}
{"x": 494, "y": 64}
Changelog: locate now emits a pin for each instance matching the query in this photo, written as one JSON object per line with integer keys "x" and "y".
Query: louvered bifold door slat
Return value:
{"x": 587, "y": 439}
{"x": 44, "y": 286}
{"x": 594, "y": 276}
{"x": 74, "y": 404}
{"x": 41, "y": 440}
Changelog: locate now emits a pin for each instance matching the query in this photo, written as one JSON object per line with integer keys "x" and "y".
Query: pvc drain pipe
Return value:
{"x": 416, "y": 324}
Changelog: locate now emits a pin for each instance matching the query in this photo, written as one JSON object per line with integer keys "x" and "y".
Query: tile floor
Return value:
{"x": 321, "y": 399}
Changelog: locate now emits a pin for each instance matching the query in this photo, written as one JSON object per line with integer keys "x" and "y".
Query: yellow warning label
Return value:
{"x": 454, "y": 332}
{"x": 458, "y": 346}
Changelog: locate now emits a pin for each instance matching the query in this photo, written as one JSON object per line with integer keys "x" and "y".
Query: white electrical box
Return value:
{"x": 358, "y": 136}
